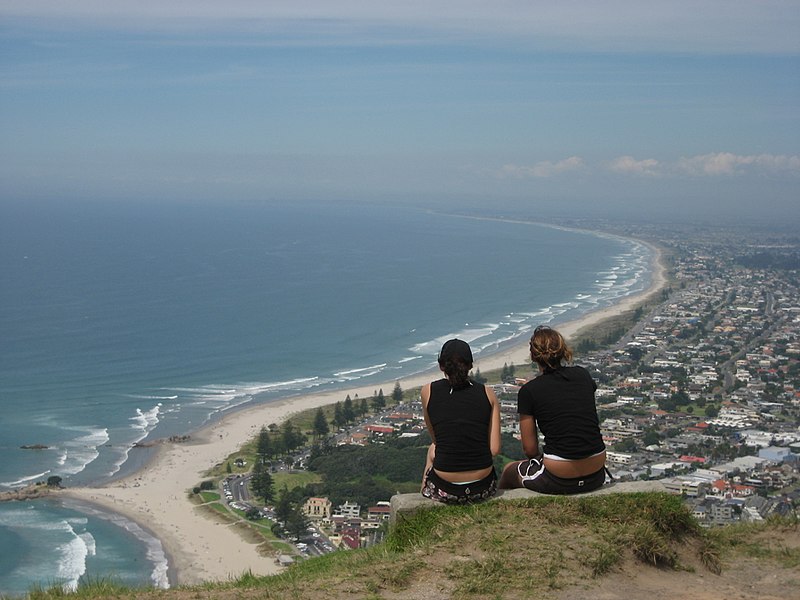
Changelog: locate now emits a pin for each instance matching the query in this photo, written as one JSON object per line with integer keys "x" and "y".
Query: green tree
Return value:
{"x": 511, "y": 447}
{"x": 278, "y": 445}
{"x": 636, "y": 353}
{"x": 284, "y": 506}
{"x": 321, "y": 428}
{"x": 317, "y": 450}
{"x": 292, "y": 438}
{"x": 397, "y": 393}
{"x": 347, "y": 410}
{"x": 667, "y": 404}
{"x": 264, "y": 448}
{"x": 711, "y": 411}
{"x": 378, "y": 401}
{"x": 261, "y": 483}
{"x": 477, "y": 377}
{"x": 357, "y": 408}
{"x": 296, "y": 522}
{"x": 651, "y": 437}
{"x": 338, "y": 415}
{"x": 680, "y": 398}
{"x": 364, "y": 407}
{"x": 54, "y": 481}
{"x": 626, "y": 445}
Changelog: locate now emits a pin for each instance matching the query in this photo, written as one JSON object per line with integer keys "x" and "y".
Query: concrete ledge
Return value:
{"x": 405, "y": 505}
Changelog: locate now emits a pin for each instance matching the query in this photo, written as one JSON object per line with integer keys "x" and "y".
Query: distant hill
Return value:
{"x": 643, "y": 546}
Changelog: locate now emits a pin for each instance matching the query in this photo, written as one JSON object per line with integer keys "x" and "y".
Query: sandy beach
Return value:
{"x": 200, "y": 549}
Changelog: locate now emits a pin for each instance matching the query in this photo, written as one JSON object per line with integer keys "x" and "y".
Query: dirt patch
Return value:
{"x": 749, "y": 579}
{"x": 742, "y": 577}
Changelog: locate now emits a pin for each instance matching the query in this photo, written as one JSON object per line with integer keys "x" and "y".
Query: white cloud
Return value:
{"x": 726, "y": 163}
{"x": 629, "y": 165}
{"x": 542, "y": 169}
{"x": 717, "y": 164}
{"x": 720, "y": 164}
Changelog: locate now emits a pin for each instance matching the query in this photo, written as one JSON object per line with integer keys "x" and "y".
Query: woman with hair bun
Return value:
{"x": 559, "y": 402}
{"x": 463, "y": 419}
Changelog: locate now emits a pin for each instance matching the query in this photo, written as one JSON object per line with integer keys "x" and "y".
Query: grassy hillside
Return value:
{"x": 632, "y": 546}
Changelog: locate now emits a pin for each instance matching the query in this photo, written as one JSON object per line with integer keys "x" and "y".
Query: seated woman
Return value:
{"x": 463, "y": 418}
{"x": 560, "y": 403}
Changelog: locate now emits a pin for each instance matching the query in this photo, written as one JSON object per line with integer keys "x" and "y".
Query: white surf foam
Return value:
{"x": 78, "y": 453}
{"x": 71, "y": 564}
{"x": 23, "y": 481}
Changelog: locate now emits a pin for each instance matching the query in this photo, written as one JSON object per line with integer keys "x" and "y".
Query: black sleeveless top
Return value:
{"x": 460, "y": 419}
{"x": 562, "y": 402}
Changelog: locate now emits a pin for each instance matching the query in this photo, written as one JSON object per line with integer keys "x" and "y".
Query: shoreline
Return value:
{"x": 201, "y": 549}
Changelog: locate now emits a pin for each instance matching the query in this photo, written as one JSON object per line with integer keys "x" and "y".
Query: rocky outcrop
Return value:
{"x": 30, "y": 492}
{"x": 173, "y": 439}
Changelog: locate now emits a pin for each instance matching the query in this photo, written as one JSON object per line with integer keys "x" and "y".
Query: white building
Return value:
{"x": 349, "y": 510}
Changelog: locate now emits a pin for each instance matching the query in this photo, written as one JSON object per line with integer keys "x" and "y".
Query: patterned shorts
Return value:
{"x": 441, "y": 490}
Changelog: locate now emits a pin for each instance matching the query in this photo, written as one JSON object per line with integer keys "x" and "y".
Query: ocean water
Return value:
{"x": 57, "y": 543}
{"x": 127, "y": 322}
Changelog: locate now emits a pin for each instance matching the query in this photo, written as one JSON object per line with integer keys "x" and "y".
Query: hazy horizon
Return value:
{"x": 676, "y": 111}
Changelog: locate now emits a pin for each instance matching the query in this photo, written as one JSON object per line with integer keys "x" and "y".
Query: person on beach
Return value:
{"x": 559, "y": 402}
{"x": 463, "y": 419}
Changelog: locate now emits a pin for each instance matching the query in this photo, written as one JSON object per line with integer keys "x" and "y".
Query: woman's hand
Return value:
{"x": 428, "y": 463}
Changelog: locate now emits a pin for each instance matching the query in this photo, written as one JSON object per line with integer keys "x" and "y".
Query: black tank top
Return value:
{"x": 460, "y": 419}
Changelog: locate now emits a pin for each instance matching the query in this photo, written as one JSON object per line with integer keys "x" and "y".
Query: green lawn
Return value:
{"x": 209, "y": 496}
{"x": 293, "y": 480}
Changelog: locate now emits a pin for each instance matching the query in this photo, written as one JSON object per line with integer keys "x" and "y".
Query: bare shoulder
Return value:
{"x": 490, "y": 394}
{"x": 425, "y": 393}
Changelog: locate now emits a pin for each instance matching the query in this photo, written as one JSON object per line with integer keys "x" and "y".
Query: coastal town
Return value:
{"x": 702, "y": 393}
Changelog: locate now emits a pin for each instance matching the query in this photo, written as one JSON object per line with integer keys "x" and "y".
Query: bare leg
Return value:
{"x": 510, "y": 477}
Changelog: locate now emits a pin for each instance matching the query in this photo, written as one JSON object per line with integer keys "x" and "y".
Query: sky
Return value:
{"x": 618, "y": 107}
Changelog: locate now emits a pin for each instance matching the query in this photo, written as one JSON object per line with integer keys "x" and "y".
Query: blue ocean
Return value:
{"x": 126, "y": 322}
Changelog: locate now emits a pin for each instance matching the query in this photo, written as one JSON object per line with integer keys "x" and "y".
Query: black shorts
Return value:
{"x": 535, "y": 477}
{"x": 445, "y": 491}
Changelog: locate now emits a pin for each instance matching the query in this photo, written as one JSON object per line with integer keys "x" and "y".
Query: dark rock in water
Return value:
{"x": 35, "y": 447}
{"x": 143, "y": 444}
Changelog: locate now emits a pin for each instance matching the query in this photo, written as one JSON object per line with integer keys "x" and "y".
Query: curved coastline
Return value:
{"x": 200, "y": 549}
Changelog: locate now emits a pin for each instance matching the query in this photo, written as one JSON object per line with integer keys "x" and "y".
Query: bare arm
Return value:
{"x": 494, "y": 424}
{"x": 530, "y": 437}
{"x": 425, "y": 394}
